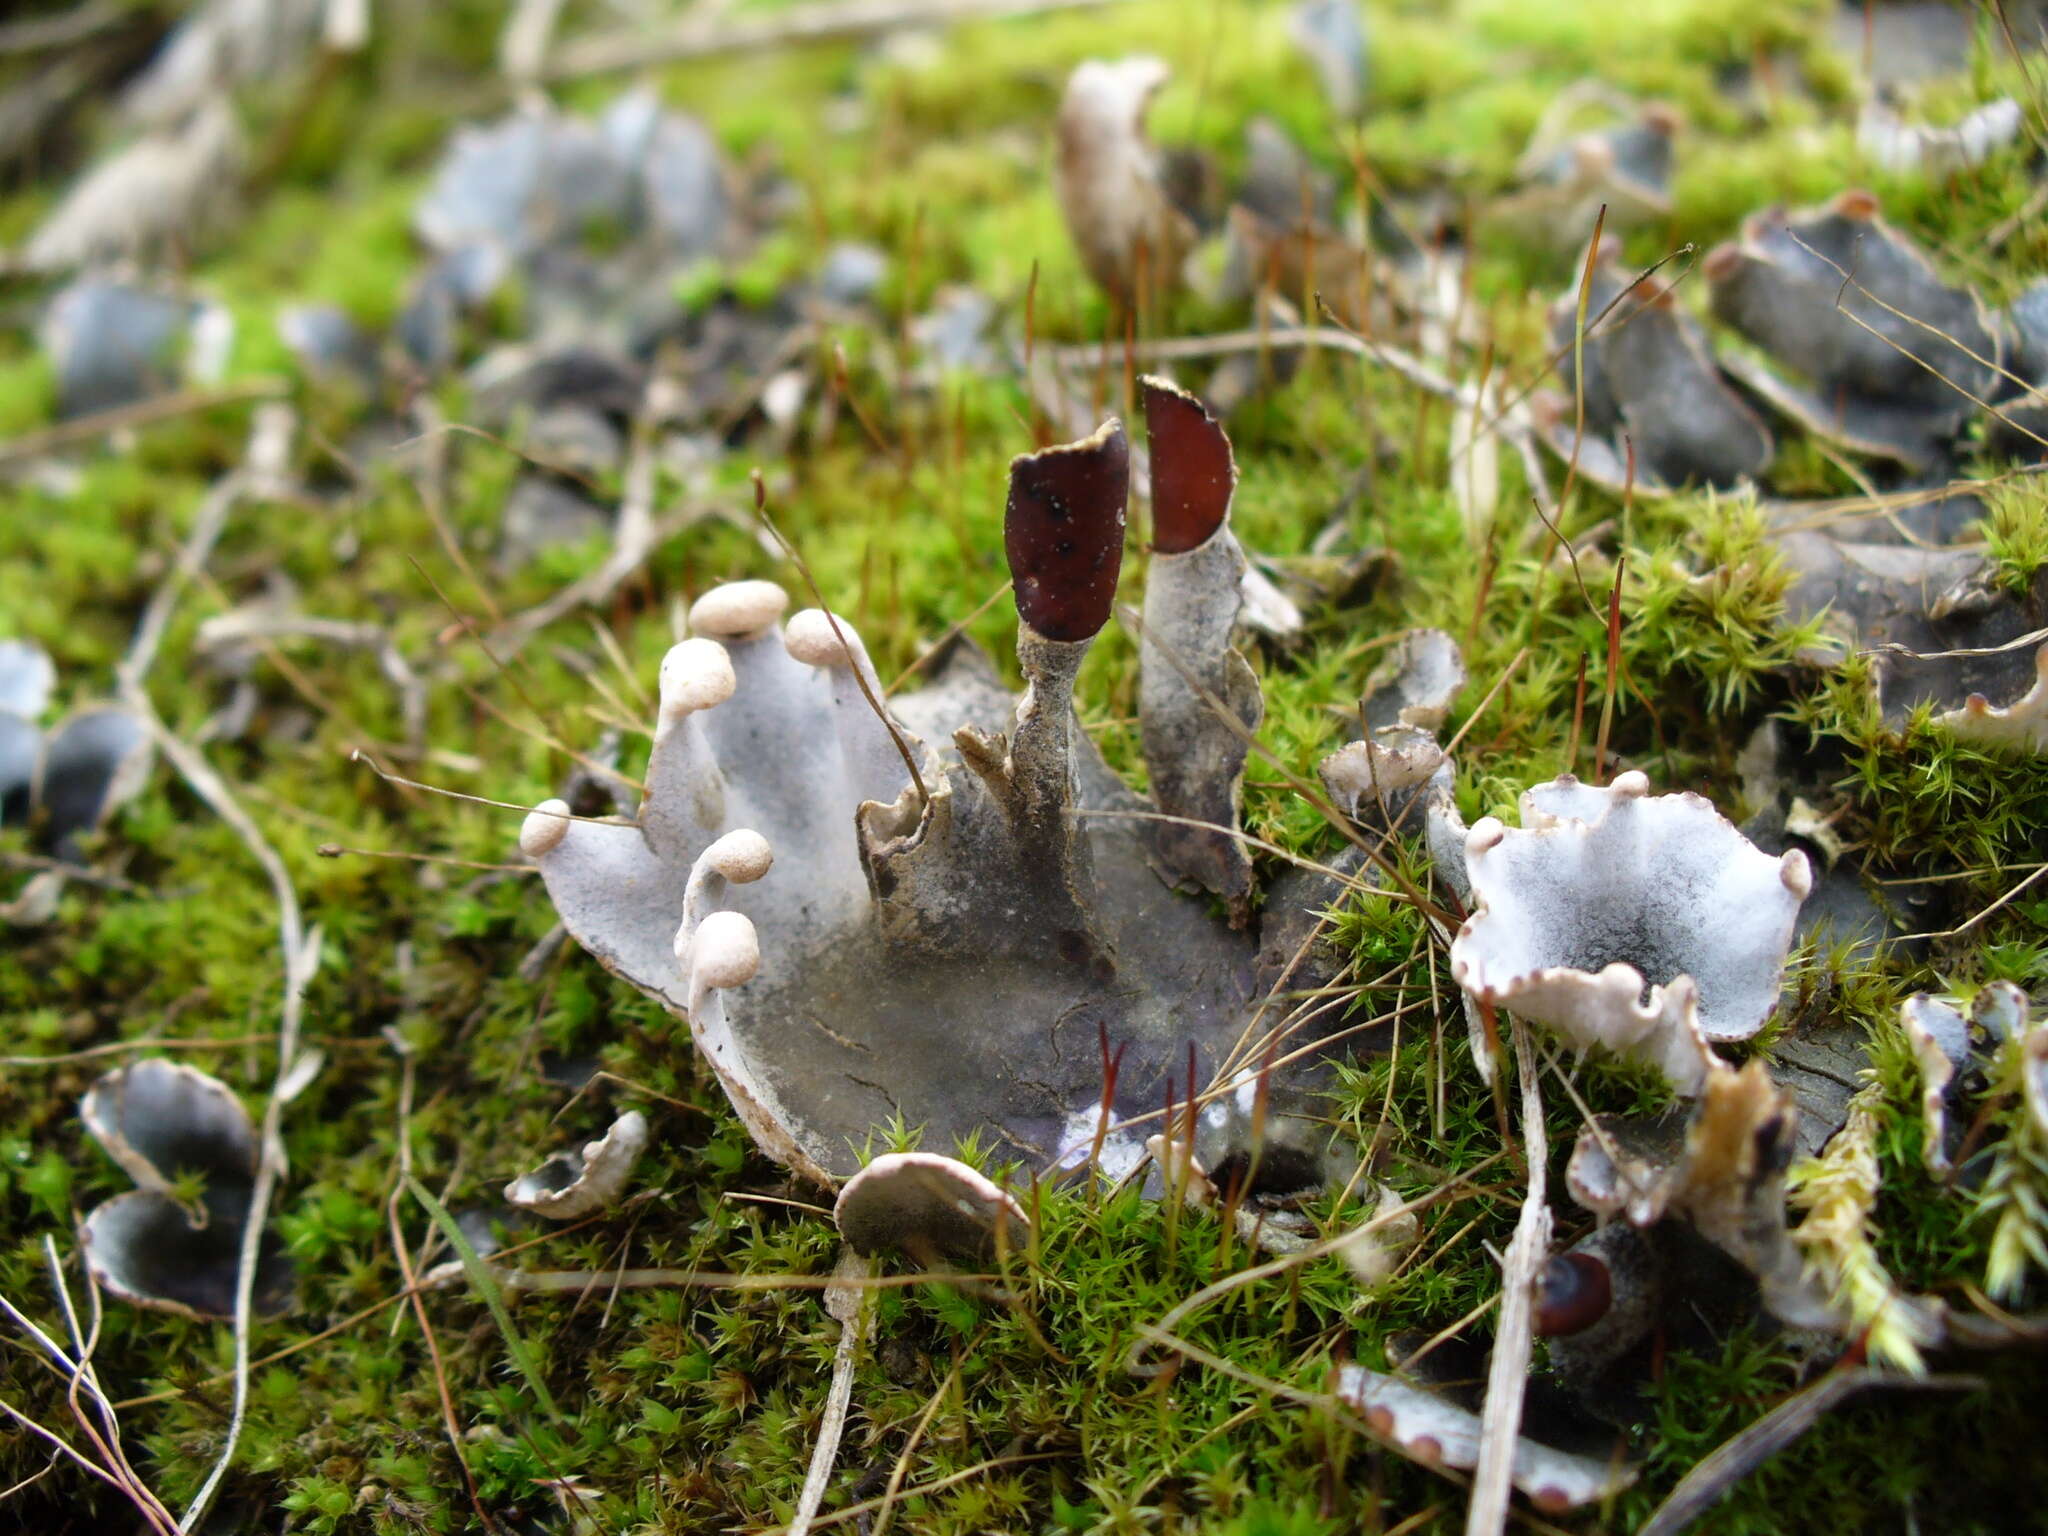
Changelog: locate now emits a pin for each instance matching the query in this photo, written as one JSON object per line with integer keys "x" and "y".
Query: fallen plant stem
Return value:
{"x": 1585, "y": 296}
{"x": 901, "y": 1469}
{"x": 515, "y": 1282}
{"x": 414, "y": 1291}
{"x": 300, "y": 946}
{"x": 951, "y": 1479}
{"x": 1735, "y": 1459}
{"x": 83, "y": 429}
{"x": 707, "y": 35}
{"x": 1611, "y": 684}
{"x": 848, "y": 1303}
{"x": 1514, "y": 1340}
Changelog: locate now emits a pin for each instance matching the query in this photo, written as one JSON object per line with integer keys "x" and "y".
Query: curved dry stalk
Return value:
{"x": 847, "y": 1302}
{"x": 1735, "y": 1459}
{"x": 1514, "y": 1340}
{"x": 110, "y": 1461}
{"x": 415, "y": 1284}
{"x": 300, "y": 946}
{"x": 83, "y": 429}
{"x": 867, "y": 691}
{"x": 703, "y": 36}
{"x": 897, "y": 1473}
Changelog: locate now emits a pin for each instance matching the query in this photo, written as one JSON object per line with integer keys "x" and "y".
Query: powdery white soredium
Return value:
{"x": 572, "y": 1184}
{"x": 1642, "y": 923}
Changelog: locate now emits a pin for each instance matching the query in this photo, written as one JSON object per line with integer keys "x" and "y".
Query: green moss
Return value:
{"x": 2016, "y": 530}
{"x": 697, "y": 1406}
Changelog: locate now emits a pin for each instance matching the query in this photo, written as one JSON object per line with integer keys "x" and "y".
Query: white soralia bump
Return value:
{"x": 738, "y": 608}
{"x": 695, "y": 674}
{"x": 812, "y": 639}
{"x": 1566, "y": 798}
{"x": 742, "y": 856}
{"x": 723, "y": 951}
{"x": 544, "y": 828}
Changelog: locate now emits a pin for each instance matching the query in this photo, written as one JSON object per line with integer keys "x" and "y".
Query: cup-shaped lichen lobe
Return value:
{"x": 175, "y": 1243}
{"x": 1844, "y": 299}
{"x": 1063, "y": 532}
{"x": 161, "y": 1121}
{"x": 150, "y": 1249}
{"x": 90, "y": 763}
{"x": 1557, "y": 910}
{"x": 1664, "y": 885}
{"x": 1193, "y": 474}
{"x": 972, "y": 1023}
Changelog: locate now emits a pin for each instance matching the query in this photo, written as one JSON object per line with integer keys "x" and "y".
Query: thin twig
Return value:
{"x": 37, "y": 34}
{"x": 83, "y": 429}
{"x": 1500, "y": 1424}
{"x": 951, "y": 1479}
{"x": 952, "y": 631}
{"x": 414, "y": 1285}
{"x": 901, "y": 1470}
{"x": 545, "y": 1282}
{"x": 847, "y": 1303}
{"x": 1286, "y": 1261}
{"x": 1992, "y": 362}
{"x": 1964, "y": 927}
{"x": 706, "y": 36}
{"x": 635, "y": 536}
{"x": 1283, "y": 338}
{"x": 117, "y": 1047}
{"x": 300, "y": 947}
{"x": 208, "y": 523}
{"x": 853, "y": 660}
{"x": 1735, "y": 1459}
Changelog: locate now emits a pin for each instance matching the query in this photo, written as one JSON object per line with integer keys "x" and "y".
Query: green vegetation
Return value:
{"x": 1008, "y": 1404}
